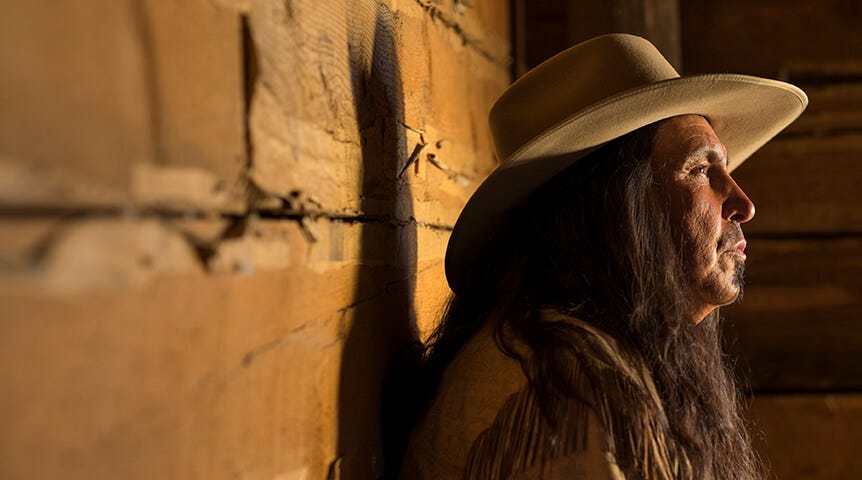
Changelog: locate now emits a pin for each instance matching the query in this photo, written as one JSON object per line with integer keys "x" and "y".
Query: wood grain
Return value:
{"x": 92, "y": 93}
{"x": 160, "y": 368}
{"x": 805, "y": 185}
{"x": 760, "y": 38}
{"x": 197, "y": 286}
{"x": 655, "y": 20}
{"x": 384, "y": 114}
{"x": 798, "y": 326}
{"x": 552, "y": 26}
{"x": 809, "y": 436}
{"x": 833, "y": 109}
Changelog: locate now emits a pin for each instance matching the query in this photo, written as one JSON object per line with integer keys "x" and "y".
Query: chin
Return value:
{"x": 724, "y": 290}
{"x": 729, "y": 291}
{"x": 732, "y": 297}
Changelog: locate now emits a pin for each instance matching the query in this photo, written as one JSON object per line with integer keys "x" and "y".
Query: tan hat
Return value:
{"x": 590, "y": 94}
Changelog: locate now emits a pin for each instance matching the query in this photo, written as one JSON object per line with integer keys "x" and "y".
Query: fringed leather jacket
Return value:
{"x": 485, "y": 421}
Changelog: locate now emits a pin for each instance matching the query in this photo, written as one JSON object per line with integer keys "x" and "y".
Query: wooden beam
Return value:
{"x": 763, "y": 37}
{"x": 141, "y": 106}
{"x": 809, "y": 436}
{"x": 834, "y": 108}
{"x": 806, "y": 184}
{"x": 656, "y": 20}
{"x": 798, "y": 327}
{"x": 552, "y": 26}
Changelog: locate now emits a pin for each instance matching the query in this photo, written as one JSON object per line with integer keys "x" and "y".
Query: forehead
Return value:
{"x": 679, "y": 138}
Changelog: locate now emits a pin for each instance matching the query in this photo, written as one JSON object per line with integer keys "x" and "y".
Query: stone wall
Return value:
{"x": 219, "y": 220}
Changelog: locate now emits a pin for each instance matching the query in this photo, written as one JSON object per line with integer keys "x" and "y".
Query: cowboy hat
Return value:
{"x": 590, "y": 94}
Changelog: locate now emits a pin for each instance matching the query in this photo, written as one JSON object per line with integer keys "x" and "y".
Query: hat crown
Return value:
{"x": 582, "y": 75}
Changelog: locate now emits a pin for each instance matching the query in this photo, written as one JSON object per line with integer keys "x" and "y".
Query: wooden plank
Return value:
{"x": 545, "y": 31}
{"x": 269, "y": 363}
{"x": 809, "y": 436}
{"x": 186, "y": 377}
{"x": 805, "y": 184}
{"x": 655, "y": 20}
{"x": 833, "y": 109}
{"x": 551, "y": 26}
{"x": 224, "y": 346}
{"x": 329, "y": 67}
{"x": 84, "y": 108}
{"x": 766, "y": 34}
{"x": 104, "y": 101}
{"x": 798, "y": 326}
{"x": 180, "y": 170}
{"x": 198, "y": 107}
{"x": 545, "y": 37}
{"x": 22, "y": 240}
{"x": 519, "y": 37}
{"x": 483, "y": 24}
{"x": 199, "y": 88}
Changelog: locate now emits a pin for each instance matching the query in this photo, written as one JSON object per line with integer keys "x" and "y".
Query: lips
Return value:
{"x": 739, "y": 249}
{"x": 733, "y": 242}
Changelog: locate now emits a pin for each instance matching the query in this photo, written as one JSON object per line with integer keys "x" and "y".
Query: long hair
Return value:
{"x": 595, "y": 244}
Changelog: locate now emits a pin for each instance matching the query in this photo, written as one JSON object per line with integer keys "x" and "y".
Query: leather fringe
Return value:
{"x": 588, "y": 375}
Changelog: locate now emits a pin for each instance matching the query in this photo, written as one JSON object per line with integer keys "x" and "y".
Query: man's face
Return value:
{"x": 706, "y": 208}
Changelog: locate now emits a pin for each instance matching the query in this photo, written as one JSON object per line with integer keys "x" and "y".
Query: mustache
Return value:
{"x": 731, "y": 237}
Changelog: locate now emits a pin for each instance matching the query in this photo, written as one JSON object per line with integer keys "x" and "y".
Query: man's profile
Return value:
{"x": 583, "y": 337}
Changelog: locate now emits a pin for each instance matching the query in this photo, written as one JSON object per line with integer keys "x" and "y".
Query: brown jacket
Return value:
{"x": 483, "y": 424}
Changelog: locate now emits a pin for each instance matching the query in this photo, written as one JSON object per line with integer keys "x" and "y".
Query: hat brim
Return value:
{"x": 744, "y": 111}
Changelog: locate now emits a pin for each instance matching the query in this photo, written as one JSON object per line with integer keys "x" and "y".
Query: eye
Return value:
{"x": 700, "y": 170}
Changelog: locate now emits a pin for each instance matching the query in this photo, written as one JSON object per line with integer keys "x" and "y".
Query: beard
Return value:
{"x": 739, "y": 281}
{"x": 728, "y": 239}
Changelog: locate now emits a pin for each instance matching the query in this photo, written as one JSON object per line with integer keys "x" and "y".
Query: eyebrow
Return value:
{"x": 711, "y": 152}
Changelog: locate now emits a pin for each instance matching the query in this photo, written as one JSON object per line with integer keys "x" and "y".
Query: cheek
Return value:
{"x": 700, "y": 237}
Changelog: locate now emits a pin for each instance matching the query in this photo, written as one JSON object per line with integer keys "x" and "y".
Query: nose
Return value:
{"x": 737, "y": 206}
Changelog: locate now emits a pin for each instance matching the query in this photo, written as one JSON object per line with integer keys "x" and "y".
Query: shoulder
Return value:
{"x": 473, "y": 389}
{"x": 485, "y": 422}
{"x": 521, "y": 444}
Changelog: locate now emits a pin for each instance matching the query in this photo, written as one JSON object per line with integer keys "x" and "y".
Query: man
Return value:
{"x": 582, "y": 340}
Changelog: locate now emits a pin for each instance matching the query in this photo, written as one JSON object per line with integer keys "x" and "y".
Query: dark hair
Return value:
{"x": 595, "y": 244}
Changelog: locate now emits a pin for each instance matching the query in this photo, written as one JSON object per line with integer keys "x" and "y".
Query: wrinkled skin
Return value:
{"x": 705, "y": 207}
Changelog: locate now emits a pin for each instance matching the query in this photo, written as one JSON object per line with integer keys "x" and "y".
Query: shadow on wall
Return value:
{"x": 381, "y": 344}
